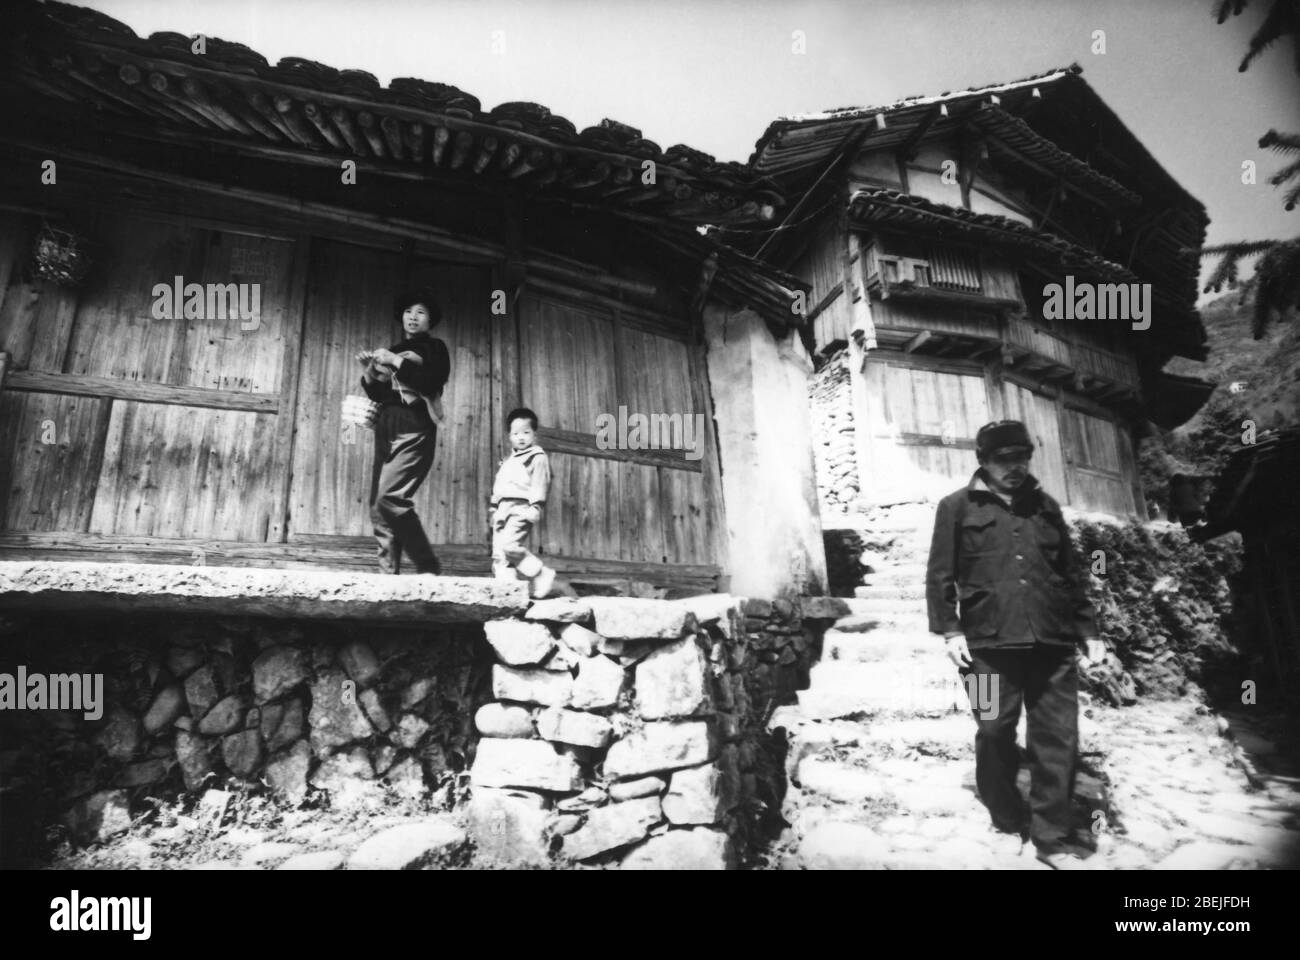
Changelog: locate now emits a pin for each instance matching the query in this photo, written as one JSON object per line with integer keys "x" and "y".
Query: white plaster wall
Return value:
{"x": 760, "y": 395}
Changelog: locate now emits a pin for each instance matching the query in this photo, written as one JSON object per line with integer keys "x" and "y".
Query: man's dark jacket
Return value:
{"x": 1013, "y": 569}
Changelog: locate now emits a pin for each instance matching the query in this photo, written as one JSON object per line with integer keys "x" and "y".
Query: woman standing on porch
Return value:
{"x": 407, "y": 380}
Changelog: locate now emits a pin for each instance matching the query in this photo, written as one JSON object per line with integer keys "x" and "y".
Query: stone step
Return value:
{"x": 896, "y": 573}
{"x": 912, "y": 591}
{"x": 952, "y": 735}
{"x": 919, "y": 688}
{"x": 880, "y": 644}
{"x": 889, "y": 604}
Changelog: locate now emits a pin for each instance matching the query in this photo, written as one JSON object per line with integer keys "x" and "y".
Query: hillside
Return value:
{"x": 1267, "y": 372}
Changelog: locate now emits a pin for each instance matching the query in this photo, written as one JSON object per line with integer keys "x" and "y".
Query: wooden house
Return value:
{"x": 573, "y": 274}
{"x": 941, "y": 234}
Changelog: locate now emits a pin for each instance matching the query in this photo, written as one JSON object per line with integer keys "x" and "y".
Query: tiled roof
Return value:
{"x": 232, "y": 93}
{"x": 890, "y": 208}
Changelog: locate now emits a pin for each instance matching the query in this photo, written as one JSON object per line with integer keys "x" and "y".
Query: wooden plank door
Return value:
{"x": 1038, "y": 413}
{"x": 1094, "y": 452}
{"x": 921, "y": 427}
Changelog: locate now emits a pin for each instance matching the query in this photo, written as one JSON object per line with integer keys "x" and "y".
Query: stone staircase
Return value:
{"x": 881, "y": 745}
{"x": 881, "y": 762}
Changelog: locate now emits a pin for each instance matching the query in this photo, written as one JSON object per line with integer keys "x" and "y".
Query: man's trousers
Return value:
{"x": 402, "y": 461}
{"x": 1046, "y": 679}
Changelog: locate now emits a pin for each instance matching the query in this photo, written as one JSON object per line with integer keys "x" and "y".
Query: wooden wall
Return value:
{"x": 116, "y": 422}
{"x": 119, "y": 428}
{"x": 921, "y": 415}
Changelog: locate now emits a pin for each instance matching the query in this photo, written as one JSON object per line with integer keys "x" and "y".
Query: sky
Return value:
{"x": 713, "y": 73}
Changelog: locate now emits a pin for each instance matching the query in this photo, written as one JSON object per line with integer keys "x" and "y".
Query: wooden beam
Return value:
{"x": 144, "y": 392}
{"x": 916, "y": 341}
{"x": 295, "y": 321}
{"x": 907, "y": 150}
{"x": 584, "y": 445}
{"x": 555, "y": 265}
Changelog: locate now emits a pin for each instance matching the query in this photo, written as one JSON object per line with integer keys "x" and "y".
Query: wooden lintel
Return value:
{"x": 85, "y": 386}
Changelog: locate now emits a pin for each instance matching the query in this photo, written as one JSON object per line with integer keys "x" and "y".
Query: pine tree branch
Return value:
{"x": 1225, "y": 8}
{"x": 1274, "y": 26}
{"x": 1280, "y": 142}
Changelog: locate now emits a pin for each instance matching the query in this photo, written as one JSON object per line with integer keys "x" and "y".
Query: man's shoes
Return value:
{"x": 1063, "y": 856}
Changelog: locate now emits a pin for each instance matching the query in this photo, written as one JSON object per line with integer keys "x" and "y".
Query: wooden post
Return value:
{"x": 295, "y": 321}
{"x": 4, "y": 367}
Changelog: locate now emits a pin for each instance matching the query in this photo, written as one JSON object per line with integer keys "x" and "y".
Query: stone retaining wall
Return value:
{"x": 632, "y": 732}
{"x": 346, "y": 711}
{"x": 601, "y": 730}
{"x": 830, "y": 397}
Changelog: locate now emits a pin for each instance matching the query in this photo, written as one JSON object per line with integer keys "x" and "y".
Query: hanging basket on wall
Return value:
{"x": 60, "y": 256}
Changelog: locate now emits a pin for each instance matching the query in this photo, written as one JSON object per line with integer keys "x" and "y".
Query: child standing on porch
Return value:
{"x": 518, "y": 496}
{"x": 407, "y": 380}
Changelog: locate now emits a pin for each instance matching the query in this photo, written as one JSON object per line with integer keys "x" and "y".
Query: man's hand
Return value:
{"x": 1095, "y": 650}
{"x": 386, "y": 357}
{"x": 956, "y": 648}
{"x": 364, "y": 357}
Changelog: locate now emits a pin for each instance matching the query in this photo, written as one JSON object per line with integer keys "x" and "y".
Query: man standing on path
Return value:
{"x": 1001, "y": 548}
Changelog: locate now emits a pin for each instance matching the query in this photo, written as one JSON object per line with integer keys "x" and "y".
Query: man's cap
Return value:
{"x": 1000, "y": 434}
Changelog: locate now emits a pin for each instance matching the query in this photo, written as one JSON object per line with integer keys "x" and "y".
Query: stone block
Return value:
{"x": 120, "y": 735}
{"x": 349, "y": 779}
{"x": 573, "y": 726}
{"x": 632, "y": 789}
{"x": 629, "y": 618}
{"x": 99, "y": 817}
{"x": 560, "y": 610}
{"x": 201, "y": 691}
{"x": 704, "y": 794}
{"x": 283, "y": 723}
{"x": 580, "y": 640}
{"x": 598, "y": 684}
{"x": 504, "y": 720}
{"x": 374, "y": 710}
{"x": 674, "y": 681}
{"x": 277, "y": 670}
{"x": 409, "y": 846}
{"x": 225, "y": 717}
{"x": 519, "y": 643}
{"x": 286, "y": 773}
{"x": 166, "y": 707}
{"x": 194, "y": 753}
{"x": 531, "y": 764}
{"x": 336, "y": 716}
{"x": 242, "y": 753}
{"x": 360, "y": 663}
{"x": 410, "y": 730}
{"x": 531, "y": 686}
{"x": 509, "y": 827}
{"x": 613, "y": 826}
{"x": 699, "y": 849}
{"x": 662, "y": 745}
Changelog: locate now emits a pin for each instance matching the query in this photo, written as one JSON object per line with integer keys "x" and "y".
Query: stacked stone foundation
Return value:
{"x": 631, "y": 733}
{"x": 600, "y": 731}
{"x": 343, "y": 713}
